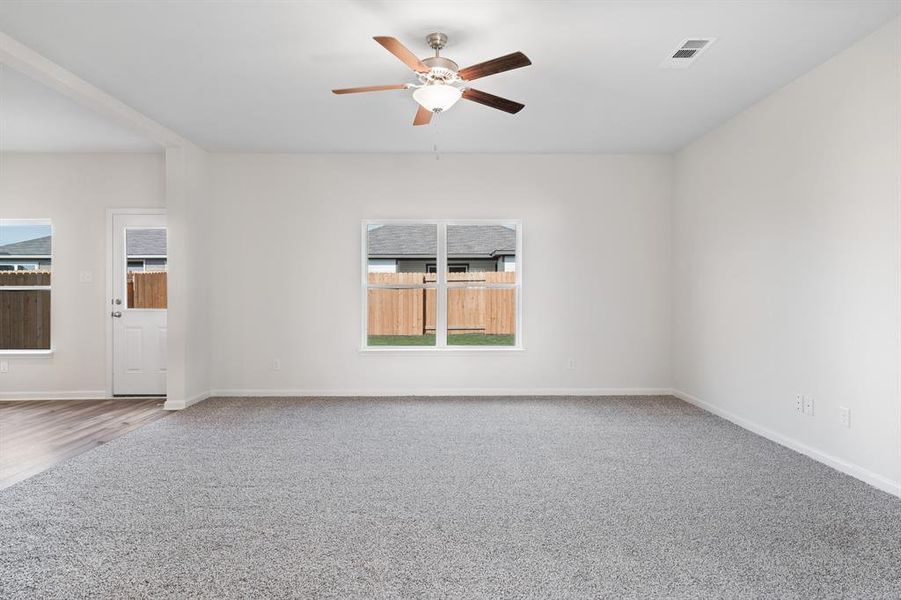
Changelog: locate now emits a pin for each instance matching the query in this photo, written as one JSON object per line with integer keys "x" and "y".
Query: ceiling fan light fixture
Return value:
{"x": 441, "y": 82}
{"x": 437, "y": 97}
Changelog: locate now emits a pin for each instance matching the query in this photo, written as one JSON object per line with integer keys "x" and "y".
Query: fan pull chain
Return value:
{"x": 435, "y": 145}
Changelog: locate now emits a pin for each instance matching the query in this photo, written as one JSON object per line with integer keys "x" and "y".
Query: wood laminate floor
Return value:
{"x": 37, "y": 434}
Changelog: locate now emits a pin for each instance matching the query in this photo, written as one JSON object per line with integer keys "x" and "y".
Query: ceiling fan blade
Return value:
{"x": 497, "y": 65}
{"x": 371, "y": 88}
{"x": 393, "y": 46}
{"x": 423, "y": 116}
{"x": 493, "y": 101}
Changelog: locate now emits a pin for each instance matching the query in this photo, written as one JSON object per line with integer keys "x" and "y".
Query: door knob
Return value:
{"x": 117, "y": 314}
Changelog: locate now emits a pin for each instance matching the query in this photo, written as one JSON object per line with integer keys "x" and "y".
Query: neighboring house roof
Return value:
{"x": 145, "y": 242}
{"x": 487, "y": 241}
{"x": 36, "y": 247}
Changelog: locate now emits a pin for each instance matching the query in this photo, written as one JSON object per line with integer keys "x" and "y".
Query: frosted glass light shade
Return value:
{"x": 438, "y": 97}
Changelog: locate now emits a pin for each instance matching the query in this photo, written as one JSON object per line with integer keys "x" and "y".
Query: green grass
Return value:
{"x": 402, "y": 340}
{"x": 479, "y": 339}
{"x": 453, "y": 339}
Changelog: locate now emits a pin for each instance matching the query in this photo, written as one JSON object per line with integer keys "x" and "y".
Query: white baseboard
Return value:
{"x": 876, "y": 480}
{"x": 183, "y": 404}
{"x": 369, "y": 392}
{"x": 57, "y": 395}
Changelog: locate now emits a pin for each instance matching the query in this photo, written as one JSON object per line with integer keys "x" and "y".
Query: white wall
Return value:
{"x": 188, "y": 211}
{"x": 74, "y": 191}
{"x": 786, "y": 271}
{"x": 609, "y": 310}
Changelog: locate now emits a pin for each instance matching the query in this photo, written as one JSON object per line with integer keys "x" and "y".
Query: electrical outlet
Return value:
{"x": 571, "y": 364}
{"x": 799, "y": 404}
{"x": 808, "y": 406}
{"x": 276, "y": 365}
{"x": 4, "y": 366}
{"x": 844, "y": 416}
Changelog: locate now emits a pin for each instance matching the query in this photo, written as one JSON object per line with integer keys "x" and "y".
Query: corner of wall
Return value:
{"x": 188, "y": 204}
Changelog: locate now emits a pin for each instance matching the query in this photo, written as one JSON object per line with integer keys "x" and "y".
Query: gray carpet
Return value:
{"x": 446, "y": 498}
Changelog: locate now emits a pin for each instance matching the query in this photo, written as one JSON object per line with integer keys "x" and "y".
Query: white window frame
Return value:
{"x": 441, "y": 287}
{"x": 5, "y": 352}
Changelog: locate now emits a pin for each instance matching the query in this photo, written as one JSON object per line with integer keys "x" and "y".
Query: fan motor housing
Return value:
{"x": 441, "y": 70}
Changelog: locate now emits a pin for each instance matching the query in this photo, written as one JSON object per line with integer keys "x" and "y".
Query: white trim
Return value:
{"x": 441, "y": 294}
{"x": 62, "y": 395}
{"x": 848, "y": 468}
{"x": 183, "y": 404}
{"x": 429, "y": 392}
{"x": 26, "y": 353}
{"x": 30, "y": 63}
{"x": 364, "y": 286}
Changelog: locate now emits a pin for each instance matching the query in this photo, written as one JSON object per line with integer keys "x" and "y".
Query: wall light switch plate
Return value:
{"x": 844, "y": 416}
{"x": 276, "y": 365}
{"x": 571, "y": 364}
{"x": 799, "y": 403}
{"x": 808, "y": 406}
{"x": 85, "y": 277}
{"x": 4, "y": 366}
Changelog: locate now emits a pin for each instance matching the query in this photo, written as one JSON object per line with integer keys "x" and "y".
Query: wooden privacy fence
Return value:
{"x": 147, "y": 289}
{"x": 24, "y": 314}
{"x": 469, "y": 309}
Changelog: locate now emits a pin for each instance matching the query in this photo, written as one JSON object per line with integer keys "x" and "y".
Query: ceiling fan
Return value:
{"x": 442, "y": 82}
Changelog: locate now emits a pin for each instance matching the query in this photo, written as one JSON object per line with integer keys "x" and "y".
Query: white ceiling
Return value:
{"x": 255, "y": 76}
{"x": 34, "y": 118}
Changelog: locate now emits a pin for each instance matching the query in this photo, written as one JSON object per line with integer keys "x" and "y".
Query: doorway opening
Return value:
{"x": 138, "y": 302}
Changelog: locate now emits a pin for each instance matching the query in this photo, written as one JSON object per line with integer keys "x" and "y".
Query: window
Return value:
{"x": 146, "y": 280}
{"x": 456, "y": 268}
{"x": 135, "y": 265}
{"x": 25, "y": 264}
{"x": 408, "y": 300}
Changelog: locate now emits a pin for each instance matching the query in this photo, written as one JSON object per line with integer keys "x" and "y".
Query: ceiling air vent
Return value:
{"x": 686, "y": 53}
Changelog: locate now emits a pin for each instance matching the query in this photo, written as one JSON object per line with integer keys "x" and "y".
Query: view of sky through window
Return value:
{"x": 18, "y": 231}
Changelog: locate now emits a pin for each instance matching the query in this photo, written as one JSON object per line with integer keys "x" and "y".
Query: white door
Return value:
{"x": 138, "y": 305}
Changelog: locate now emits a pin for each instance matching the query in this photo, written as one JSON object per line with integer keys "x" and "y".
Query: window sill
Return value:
{"x": 445, "y": 350}
{"x": 26, "y": 353}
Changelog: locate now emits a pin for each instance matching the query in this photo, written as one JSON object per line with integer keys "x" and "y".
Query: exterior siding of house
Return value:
{"x": 43, "y": 263}
{"x": 418, "y": 265}
{"x": 476, "y": 265}
{"x": 154, "y": 264}
{"x": 382, "y": 265}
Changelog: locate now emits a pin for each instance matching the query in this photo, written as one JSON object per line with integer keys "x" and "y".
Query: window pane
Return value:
{"x": 25, "y": 261}
{"x": 24, "y": 319}
{"x": 401, "y": 317}
{"x": 479, "y": 316}
{"x": 480, "y": 249}
{"x": 404, "y": 248}
{"x": 146, "y": 280}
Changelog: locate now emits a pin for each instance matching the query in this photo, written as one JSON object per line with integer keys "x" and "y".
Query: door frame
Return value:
{"x": 109, "y": 288}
